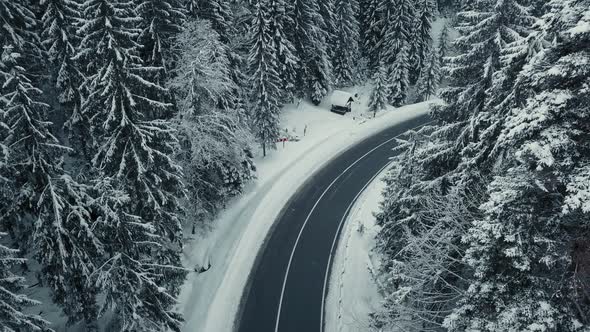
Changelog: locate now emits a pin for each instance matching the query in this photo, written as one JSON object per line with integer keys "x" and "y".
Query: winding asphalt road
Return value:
{"x": 287, "y": 286}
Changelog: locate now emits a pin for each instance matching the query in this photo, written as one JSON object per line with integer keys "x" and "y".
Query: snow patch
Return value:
{"x": 210, "y": 300}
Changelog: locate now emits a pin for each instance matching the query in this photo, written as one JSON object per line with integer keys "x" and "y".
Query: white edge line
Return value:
{"x": 335, "y": 241}
{"x": 309, "y": 215}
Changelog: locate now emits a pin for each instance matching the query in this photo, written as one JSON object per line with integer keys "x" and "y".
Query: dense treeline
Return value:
{"x": 485, "y": 217}
{"x": 126, "y": 123}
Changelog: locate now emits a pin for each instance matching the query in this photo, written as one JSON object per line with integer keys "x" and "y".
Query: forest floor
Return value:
{"x": 210, "y": 300}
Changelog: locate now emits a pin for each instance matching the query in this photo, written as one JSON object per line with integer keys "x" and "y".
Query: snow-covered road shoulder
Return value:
{"x": 353, "y": 293}
{"x": 210, "y": 301}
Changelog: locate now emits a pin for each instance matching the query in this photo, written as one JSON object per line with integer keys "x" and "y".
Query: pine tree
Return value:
{"x": 286, "y": 58}
{"x": 266, "y": 83}
{"x": 310, "y": 41}
{"x": 444, "y": 49}
{"x": 59, "y": 38}
{"x": 219, "y": 13}
{"x": 329, "y": 24}
{"x": 161, "y": 20}
{"x": 422, "y": 40}
{"x": 142, "y": 185}
{"x": 11, "y": 301}
{"x": 346, "y": 42}
{"x": 373, "y": 27}
{"x": 429, "y": 77}
{"x": 529, "y": 250}
{"x": 440, "y": 181}
{"x": 215, "y": 153}
{"x": 399, "y": 78}
{"x": 379, "y": 95}
{"x": 394, "y": 48}
{"x": 52, "y": 209}
{"x": 399, "y": 22}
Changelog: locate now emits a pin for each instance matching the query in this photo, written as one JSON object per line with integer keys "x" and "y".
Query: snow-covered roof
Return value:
{"x": 341, "y": 98}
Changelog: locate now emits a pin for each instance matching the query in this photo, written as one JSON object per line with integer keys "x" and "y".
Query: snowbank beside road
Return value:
{"x": 210, "y": 300}
{"x": 353, "y": 293}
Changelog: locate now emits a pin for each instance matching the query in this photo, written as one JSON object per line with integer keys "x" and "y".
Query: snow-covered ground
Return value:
{"x": 210, "y": 300}
{"x": 353, "y": 293}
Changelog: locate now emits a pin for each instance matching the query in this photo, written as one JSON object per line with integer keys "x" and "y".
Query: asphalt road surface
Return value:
{"x": 287, "y": 286}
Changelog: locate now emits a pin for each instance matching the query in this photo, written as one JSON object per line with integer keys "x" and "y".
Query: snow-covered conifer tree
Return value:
{"x": 399, "y": 23}
{"x": 399, "y": 79}
{"x": 133, "y": 150}
{"x": 421, "y": 40}
{"x": 265, "y": 80}
{"x": 346, "y": 42}
{"x": 530, "y": 243}
{"x": 286, "y": 53}
{"x": 394, "y": 47}
{"x": 310, "y": 41}
{"x": 12, "y": 301}
{"x": 160, "y": 21}
{"x": 219, "y": 13}
{"x": 60, "y": 19}
{"x": 215, "y": 152}
{"x": 48, "y": 207}
{"x": 429, "y": 77}
{"x": 372, "y": 27}
{"x": 443, "y": 44}
{"x": 380, "y": 93}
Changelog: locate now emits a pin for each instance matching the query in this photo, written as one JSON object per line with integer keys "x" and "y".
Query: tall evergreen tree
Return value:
{"x": 380, "y": 93}
{"x": 310, "y": 41}
{"x": 399, "y": 80}
{"x": 266, "y": 82}
{"x": 47, "y": 204}
{"x": 160, "y": 21}
{"x": 12, "y": 302}
{"x": 439, "y": 185}
{"x": 372, "y": 27}
{"x": 394, "y": 47}
{"x": 528, "y": 250}
{"x": 141, "y": 273}
{"x": 60, "y": 19}
{"x": 219, "y": 13}
{"x": 421, "y": 40}
{"x": 429, "y": 77}
{"x": 286, "y": 58}
{"x": 346, "y": 42}
{"x": 444, "y": 49}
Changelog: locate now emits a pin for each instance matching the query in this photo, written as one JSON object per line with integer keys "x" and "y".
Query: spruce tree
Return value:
{"x": 429, "y": 77}
{"x": 372, "y": 26}
{"x": 399, "y": 79}
{"x": 435, "y": 193}
{"x": 528, "y": 250}
{"x": 346, "y": 43}
{"x": 443, "y": 49}
{"x": 266, "y": 82}
{"x": 219, "y": 13}
{"x": 380, "y": 93}
{"x": 329, "y": 24}
{"x": 12, "y": 301}
{"x": 60, "y": 19}
{"x": 310, "y": 41}
{"x": 139, "y": 277}
{"x": 161, "y": 20}
{"x": 421, "y": 40}
{"x": 286, "y": 58}
{"x": 50, "y": 207}
{"x": 394, "y": 48}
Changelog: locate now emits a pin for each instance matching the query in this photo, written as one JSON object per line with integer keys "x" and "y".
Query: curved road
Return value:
{"x": 287, "y": 286}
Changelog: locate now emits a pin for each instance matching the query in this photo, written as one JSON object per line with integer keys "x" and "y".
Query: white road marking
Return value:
{"x": 307, "y": 219}
{"x": 344, "y": 217}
